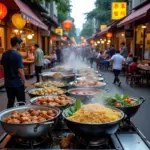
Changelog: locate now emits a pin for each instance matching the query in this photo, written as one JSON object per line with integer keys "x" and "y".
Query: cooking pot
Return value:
{"x": 31, "y": 130}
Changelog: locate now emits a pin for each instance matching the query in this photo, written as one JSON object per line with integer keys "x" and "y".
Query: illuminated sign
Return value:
{"x": 119, "y": 10}
{"x": 103, "y": 26}
{"x": 59, "y": 31}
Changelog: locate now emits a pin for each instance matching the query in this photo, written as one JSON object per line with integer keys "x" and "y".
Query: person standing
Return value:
{"x": 58, "y": 53}
{"x": 91, "y": 57}
{"x": 39, "y": 61}
{"x": 15, "y": 82}
{"x": 118, "y": 61}
{"x": 124, "y": 50}
{"x": 112, "y": 51}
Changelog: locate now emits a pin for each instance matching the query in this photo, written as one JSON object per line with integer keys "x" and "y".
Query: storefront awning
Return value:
{"x": 29, "y": 15}
{"x": 90, "y": 38}
{"x": 135, "y": 15}
{"x": 104, "y": 31}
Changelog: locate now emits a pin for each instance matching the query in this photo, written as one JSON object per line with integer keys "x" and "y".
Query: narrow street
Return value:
{"x": 68, "y": 62}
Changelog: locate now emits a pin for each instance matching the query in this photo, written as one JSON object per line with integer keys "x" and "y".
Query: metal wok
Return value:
{"x": 32, "y": 130}
{"x": 132, "y": 110}
{"x": 33, "y": 100}
{"x": 90, "y": 131}
{"x": 34, "y": 95}
{"x": 84, "y": 98}
{"x": 91, "y": 79}
{"x": 62, "y": 70}
{"x": 89, "y": 75}
{"x": 68, "y": 77}
{"x": 71, "y": 84}
{"x": 62, "y": 87}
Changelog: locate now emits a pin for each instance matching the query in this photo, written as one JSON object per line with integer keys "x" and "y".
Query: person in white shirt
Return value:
{"x": 118, "y": 61}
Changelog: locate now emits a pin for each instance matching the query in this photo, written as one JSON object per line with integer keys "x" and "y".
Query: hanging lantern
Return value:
{"x": 92, "y": 41}
{"x": 53, "y": 38}
{"x": 3, "y": 11}
{"x": 18, "y": 21}
{"x": 82, "y": 38}
{"x": 67, "y": 24}
{"x": 30, "y": 36}
{"x": 109, "y": 35}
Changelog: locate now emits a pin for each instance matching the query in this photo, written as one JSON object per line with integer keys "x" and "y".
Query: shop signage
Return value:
{"x": 103, "y": 26}
{"x": 59, "y": 31}
{"x": 119, "y": 10}
{"x": 129, "y": 33}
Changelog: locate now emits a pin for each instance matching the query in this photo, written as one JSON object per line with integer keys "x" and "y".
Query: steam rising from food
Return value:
{"x": 95, "y": 113}
{"x": 71, "y": 60}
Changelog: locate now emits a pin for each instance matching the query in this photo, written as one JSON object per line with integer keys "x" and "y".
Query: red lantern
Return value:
{"x": 3, "y": 11}
{"x": 53, "y": 38}
{"x": 109, "y": 35}
{"x": 67, "y": 24}
{"x": 92, "y": 41}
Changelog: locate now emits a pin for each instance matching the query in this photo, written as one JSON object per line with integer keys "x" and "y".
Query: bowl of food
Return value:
{"x": 84, "y": 94}
{"x": 127, "y": 104}
{"x": 29, "y": 121}
{"x": 45, "y": 91}
{"x": 90, "y": 78}
{"x": 61, "y": 101}
{"x": 51, "y": 84}
{"x": 88, "y": 84}
{"x": 62, "y": 69}
{"x": 92, "y": 120}
{"x": 89, "y": 74}
{"x": 58, "y": 76}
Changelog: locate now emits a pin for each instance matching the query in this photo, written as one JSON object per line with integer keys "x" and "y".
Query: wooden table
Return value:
{"x": 145, "y": 69}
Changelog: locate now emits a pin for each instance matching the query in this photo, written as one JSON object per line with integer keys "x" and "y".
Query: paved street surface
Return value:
{"x": 141, "y": 119}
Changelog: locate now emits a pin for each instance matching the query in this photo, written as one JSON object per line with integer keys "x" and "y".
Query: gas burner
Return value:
{"x": 93, "y": 142}
{"x": 33, "y": 143}
{"x": 28, "y": 142}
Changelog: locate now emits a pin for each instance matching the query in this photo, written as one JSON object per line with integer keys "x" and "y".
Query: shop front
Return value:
{"x": 142, "y": 42}
{"x": 103, "y": 39}
{"x": 21, "y": 21}
{"x": 139, "y": 23}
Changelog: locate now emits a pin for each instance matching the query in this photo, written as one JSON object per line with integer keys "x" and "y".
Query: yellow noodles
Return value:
{"x": 95, "y": 113}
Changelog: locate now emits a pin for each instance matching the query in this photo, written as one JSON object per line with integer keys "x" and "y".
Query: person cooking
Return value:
{"x": 15, "y": 82}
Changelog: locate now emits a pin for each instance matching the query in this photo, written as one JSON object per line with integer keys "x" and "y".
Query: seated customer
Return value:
{"x": 133, "y": 66}
{"x": 130, "y": 59}
{"x": 102, "y": 60}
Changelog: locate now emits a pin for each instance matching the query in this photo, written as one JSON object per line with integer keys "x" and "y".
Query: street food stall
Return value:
{"x": 110, "y": 123}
